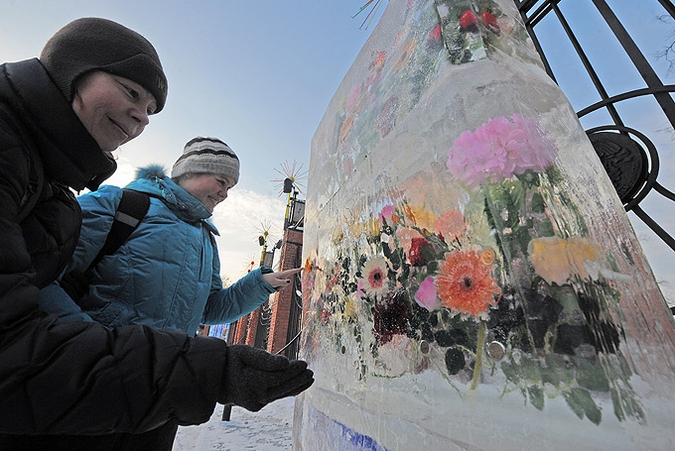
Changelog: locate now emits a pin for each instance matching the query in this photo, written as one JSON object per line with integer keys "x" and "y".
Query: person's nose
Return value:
{"x": 140, "y": 115}
{"x": 222, "y": 193}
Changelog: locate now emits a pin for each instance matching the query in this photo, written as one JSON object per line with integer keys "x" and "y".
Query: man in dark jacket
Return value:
{"x": 64, "y": 385}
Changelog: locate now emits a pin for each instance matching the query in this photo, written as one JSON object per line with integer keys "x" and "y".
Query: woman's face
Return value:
{"x": 113, "y": 109}
{"x": 210, "y": 189}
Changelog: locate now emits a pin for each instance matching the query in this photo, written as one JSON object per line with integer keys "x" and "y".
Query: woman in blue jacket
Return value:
{"x": 167, "y": 273}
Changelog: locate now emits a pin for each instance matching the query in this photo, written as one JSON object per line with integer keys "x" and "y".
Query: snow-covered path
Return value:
{"x": 270, "y": 429}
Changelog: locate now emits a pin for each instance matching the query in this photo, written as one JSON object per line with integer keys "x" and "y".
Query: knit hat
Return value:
{"x": 90, "y": 44}
{"x": 207, "y": 156}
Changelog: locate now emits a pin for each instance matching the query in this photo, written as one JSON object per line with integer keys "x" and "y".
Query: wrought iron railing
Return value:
{"x": 631, "y": 152}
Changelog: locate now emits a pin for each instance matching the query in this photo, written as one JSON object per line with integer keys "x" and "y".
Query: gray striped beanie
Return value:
{"x": 207, "y": 156}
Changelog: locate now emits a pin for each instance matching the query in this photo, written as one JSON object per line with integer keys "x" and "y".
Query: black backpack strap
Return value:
{"x": 130, "y": 212}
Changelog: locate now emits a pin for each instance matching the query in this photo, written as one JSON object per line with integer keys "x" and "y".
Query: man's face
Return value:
{"x": 113, "y": 109}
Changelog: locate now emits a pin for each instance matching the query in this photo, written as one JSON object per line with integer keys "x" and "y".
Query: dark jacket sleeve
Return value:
{"x": 81, "y": 378}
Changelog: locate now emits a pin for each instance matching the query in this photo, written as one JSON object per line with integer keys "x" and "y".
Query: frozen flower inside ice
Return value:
{"x": 426, "y": 295}
{"x": 375, "y": 276}
{"x": 499, "y": 149}
{"x": 373, "y": 227}
{"x": 451, "y": 225}
{"x": 386, "y": 215}
{"x": 424, "y": 219}
{"x": 465, "y": 285}
{"x": 350, "y": 309}
{"x": 405, "y": 237}
{"x": 359, "y": 290}
{"x": 390, "y": 316}
{"x": 420, "y": 252}
{"x": 556, "y": 259}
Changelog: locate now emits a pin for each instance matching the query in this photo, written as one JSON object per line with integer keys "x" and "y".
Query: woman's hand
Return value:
{"x": 282, "y": 278}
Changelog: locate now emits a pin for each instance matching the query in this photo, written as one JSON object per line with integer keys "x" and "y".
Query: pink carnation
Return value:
{"x": 499, "y": 149}
{"x": 426, "y": 295}
{"x": 386, "y": 214}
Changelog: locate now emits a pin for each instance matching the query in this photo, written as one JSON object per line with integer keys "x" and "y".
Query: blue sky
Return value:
{"x": 258, "y": 75}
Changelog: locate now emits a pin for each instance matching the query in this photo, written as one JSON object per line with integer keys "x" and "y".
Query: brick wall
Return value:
{"x": 291, "y": 257}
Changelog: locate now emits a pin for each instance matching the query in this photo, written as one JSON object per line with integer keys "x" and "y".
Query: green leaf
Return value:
{"x": 592, "y": 377}
{"x": 428, "y": 253}
{"x": 537, "y": 203}
{"x": 546, "y": 229}
{"x": 558, "y": 372}
{"x": 536, "y": 396}
{"x": 511, "y": 372}
{"x": 523, "y": 237}
{"x": 395, "y": 259}
{"x": 574, "y": 405}
{"x": 625, "y": 405}
{"x": 551, "y": 376}
{"x": 581, "y": 402}
{"x": 616, "y": 402}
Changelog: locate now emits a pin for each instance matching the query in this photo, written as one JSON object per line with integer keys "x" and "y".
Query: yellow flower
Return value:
{"x": 373, "y": 227}
{"x": 556, "y": 259}
{"x": 350, "y": 309}
{"x": 338, "y": 235}
{"x": 424, "y": 219}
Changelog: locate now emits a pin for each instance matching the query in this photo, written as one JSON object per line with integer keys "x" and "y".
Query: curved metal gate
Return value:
{"x": 612, "y": 58}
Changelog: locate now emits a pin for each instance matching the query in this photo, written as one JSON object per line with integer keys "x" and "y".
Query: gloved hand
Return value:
{"x": 253, "y": 378}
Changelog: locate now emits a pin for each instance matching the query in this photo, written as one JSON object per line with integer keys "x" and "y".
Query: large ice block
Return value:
{"x": 471, "y": 279}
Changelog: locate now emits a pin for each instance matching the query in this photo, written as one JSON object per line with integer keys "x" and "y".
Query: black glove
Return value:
{"x": 253, "y": 378}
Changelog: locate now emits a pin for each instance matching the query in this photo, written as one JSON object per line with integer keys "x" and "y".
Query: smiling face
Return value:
{"x": 210, "y": 189}
{"x": 113, "y": 109}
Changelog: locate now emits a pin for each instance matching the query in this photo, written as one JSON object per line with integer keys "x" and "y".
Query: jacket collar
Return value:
{"x": 153, "y": 181}
{"x": 70, "y": 154}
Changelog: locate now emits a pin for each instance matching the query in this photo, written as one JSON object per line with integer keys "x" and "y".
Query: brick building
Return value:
{"x": 275, "y": 326}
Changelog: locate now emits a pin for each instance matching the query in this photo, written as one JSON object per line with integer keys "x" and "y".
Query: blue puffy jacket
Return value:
{"x": 166, "y": 275}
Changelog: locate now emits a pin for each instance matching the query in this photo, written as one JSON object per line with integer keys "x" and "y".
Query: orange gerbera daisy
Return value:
{"x": 465, "y": 285}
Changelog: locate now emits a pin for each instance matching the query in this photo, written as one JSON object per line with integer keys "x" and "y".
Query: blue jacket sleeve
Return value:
{"x": 53, "y": 299}
{"x": 227, "y": 305}
{"x": 98, "y": 212}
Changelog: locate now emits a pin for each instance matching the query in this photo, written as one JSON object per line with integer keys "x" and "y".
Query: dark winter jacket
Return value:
{"x": 75, "y": 378}
{"x": 167, "y": 273}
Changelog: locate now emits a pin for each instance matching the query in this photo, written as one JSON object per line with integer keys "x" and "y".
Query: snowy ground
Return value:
{"x": 270, "y": 429}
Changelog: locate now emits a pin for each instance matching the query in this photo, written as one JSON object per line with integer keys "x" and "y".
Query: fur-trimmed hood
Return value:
{"x": 151, "y": 171}
{"x": 153, "y": 180}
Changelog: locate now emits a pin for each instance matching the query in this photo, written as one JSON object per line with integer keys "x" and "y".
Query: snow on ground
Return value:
{"x": 269, "y": 429}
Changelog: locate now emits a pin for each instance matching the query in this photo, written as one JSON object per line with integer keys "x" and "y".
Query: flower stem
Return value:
{"x": 479, "y": 355}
